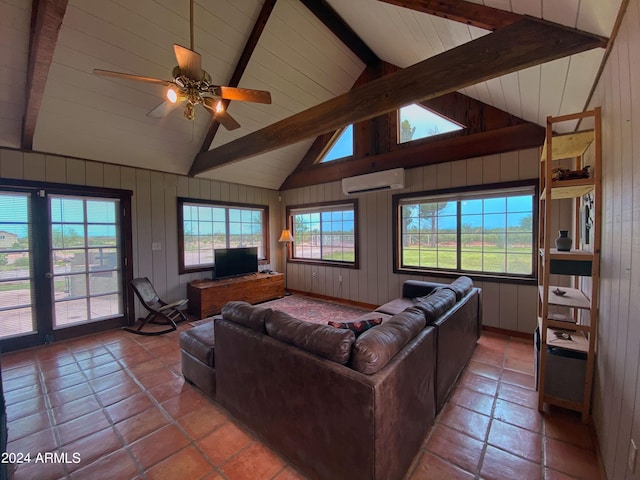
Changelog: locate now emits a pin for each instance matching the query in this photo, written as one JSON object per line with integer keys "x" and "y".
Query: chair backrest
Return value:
{"x": 145, "y": 291}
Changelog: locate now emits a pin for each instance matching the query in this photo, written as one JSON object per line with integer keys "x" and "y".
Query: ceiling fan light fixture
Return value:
{"x": 172, "y": 95}
{"x": 219, "y": 107}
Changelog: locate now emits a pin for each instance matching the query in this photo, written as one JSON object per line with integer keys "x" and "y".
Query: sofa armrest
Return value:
{"x": 419, "y": 288}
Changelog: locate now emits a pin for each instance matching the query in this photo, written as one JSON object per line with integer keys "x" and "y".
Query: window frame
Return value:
{"x": 477, "y": 191}
{"x": 291, "y": 210}
{"x": 181, "y": 201}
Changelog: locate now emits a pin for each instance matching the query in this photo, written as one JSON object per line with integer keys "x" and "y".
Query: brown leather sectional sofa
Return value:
{"x": 341, "y": 407}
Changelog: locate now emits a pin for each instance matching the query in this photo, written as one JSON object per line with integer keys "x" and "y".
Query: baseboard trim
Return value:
{"x": 510, "y": 333}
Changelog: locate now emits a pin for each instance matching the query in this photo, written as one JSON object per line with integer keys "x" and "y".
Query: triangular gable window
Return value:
{"x": 416, "y": 121}
{"x": 341, "y": 147}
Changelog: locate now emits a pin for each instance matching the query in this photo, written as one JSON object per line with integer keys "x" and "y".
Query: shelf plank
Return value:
{"x": 561, "y": 402}
{"x": 574, "y": 298}
{"x": 576, "y": 341}
{"x": 569, "y": 326}
{"x": 577, "y": 336}
{"x": 574, "y": 188}
{"x": 576, "y": 255}
{"x": 568, "y": 145}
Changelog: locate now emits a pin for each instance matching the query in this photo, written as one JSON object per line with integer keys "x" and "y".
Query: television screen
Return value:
{"x": 231, "y": 262}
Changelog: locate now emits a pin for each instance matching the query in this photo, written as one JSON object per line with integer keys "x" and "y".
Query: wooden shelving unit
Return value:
{"x": 575, "y": 330}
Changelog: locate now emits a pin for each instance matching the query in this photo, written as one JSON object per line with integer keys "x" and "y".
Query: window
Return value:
{"x": 341, "y": 146}
{"x": 204, "y": 226}
{"x": 325, "y": 233}
{"x": 416, "y": 122}
{"x": 488, "y": 232}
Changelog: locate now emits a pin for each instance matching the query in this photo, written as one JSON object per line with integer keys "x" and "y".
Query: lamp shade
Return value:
{"x": 286, "y": 236}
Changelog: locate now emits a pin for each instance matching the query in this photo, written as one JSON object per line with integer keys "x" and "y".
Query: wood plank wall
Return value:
{"x": 616, "y": 406}
{"x": 506, "y": 306}
{"x": 154, "y": 204}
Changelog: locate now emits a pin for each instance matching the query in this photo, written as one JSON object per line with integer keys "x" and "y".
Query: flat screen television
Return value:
{"x": 233, "y": 262}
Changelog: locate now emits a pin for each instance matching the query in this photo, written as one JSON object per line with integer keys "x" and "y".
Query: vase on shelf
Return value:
{"x": 563, "y": 242}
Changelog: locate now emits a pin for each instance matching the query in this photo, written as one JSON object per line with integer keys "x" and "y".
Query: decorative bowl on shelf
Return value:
{"x": 560, "y": 293}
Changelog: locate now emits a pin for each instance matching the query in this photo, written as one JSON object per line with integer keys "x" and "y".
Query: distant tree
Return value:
{"x": 406, "y": 131}
{"x": 526, "y": 223}
{"x": 432, "y": 131}
{"x": 429, "y": 213}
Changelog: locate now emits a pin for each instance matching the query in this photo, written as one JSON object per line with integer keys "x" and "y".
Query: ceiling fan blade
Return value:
{"x": 127, "y": 76}
{"x": 163, "y": 109}
{"x": 189, "y": 62}
{"x": 220, "y": 114}
{"x": 226, "y": 120}
{"x": 244, "y": 94}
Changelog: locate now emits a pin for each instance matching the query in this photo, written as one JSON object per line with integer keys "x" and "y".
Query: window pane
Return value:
{"x": 429, "y": 233}
{"x": 416, "y": 121}
{"x": 101, "y": 212}
{"x": 341, "y": 147}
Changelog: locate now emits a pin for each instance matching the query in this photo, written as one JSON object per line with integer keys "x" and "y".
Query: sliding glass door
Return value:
{"x": 62, "y": 265}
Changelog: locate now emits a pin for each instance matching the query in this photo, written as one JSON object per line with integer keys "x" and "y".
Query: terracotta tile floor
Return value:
{"x": 118, "y": 402}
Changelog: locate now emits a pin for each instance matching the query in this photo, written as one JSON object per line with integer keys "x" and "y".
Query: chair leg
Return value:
{"x": 148, "y": 319}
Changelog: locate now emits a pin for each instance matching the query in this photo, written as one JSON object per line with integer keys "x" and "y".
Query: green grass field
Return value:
{"x": 489, "y": 259}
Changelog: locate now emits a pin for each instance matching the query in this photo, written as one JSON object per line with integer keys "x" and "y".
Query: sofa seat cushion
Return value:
{"x": 357, "y": 326}
{"x": 199, "y": 341}
{"x": 460, "y": 286}
{"x": 327, "y": 342}
{"x": 377, "y": 346}
{"x": 372, "y": 315}
{"x": 395, "y": 306}
{"x": 246, "y": 315}
{"x": 435, "y": 304}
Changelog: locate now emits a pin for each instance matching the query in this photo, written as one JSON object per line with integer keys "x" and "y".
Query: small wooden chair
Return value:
{"x": 160, "y": 312}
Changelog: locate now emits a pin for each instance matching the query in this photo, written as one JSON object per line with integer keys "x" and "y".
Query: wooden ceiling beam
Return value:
{"x": 46, "y": 20}
{"x": 501, "y": 140}
{"x": 241, "y": 66}
{"x": 327, "y": 15}
{"x": 480, "y": 16}
{"x": 520, "y": 45}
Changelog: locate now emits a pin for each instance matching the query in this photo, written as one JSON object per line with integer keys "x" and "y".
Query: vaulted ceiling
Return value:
{"x": 327, "y": 63}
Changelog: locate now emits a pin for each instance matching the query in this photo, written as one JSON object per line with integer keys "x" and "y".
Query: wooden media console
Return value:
{"x": 207, "y": 297}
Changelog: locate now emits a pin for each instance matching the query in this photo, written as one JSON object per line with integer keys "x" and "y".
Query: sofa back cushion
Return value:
{"x": 246, "y": 315}
{"x": 435, "y": 304}
{"x": 461, "y": 286}
{"x": 378, "y": 345}
{"x": 327, "y": 342}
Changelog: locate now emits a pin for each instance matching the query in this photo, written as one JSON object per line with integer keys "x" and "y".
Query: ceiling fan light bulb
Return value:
{"x": 172, "y": 95}
{"x": 219, "y": 107}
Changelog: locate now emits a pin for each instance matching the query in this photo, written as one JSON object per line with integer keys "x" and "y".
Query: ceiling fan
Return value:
{"x": 193, "y": 86}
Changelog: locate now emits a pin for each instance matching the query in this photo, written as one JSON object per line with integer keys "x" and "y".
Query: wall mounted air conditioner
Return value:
{"x": 372, "y": 182}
